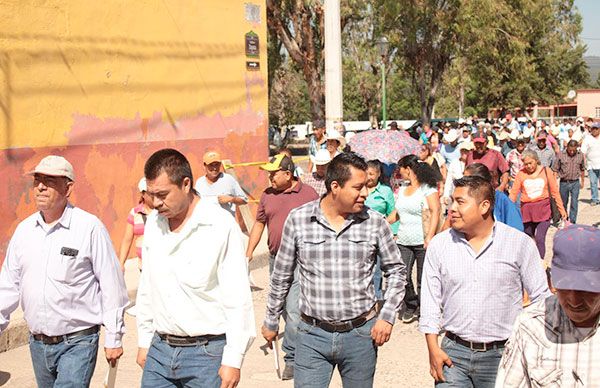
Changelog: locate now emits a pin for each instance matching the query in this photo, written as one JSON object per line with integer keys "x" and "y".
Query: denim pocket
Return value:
{"x": 365, "y": 330}
{"x": 304, "y": 328}
{"x": 214, "y": 348}
{"x": 84, "y": 340}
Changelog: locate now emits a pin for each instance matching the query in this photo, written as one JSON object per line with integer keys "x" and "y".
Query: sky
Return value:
{"x": 590, "y": 11}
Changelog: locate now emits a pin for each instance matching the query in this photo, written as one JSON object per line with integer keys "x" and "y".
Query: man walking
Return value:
{"x": 316, "y": 179}
{"x": 286, "y": 193}
{"x": 317, "y": 142}
{"x": 545, "y": 154}
{"x": 473, "y": 282}
{"x": 334, "y": 243}
{"x": 591, "y": 150}
{"x": 62, "y": 267}
{"x": 195, "y": 317}
{"x": 556, "y": 341}
{"x": 570, "y": 168}
{"x": 218, "y": 186}
{"x": 492, "y": 159}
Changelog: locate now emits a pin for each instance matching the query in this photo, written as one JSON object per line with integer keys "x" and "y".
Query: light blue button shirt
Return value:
{"x": 478, "y": 296}
{"x": 225, "y": 185}
{"x": 66, "y": 276}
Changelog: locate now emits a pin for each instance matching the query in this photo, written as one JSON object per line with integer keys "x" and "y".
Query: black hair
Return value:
{"x": 426, "y": 175}
{"x": 377, "y": 165}
{"x": 572, "y": 143}
{"x": 339, "y": 168}
{"x": 479, "y": 169}
{"x": 172, "y": 162}
{"x": 479, "y": 188}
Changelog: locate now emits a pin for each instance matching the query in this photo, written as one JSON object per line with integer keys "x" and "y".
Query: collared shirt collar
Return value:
{"x": 64, "y": 220}
{"x": 461, "y": 237}
{"x": 559, "y": 320}
{"x": 316, "y": 214}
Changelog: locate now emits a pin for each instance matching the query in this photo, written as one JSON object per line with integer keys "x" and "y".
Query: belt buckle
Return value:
{"x": 483, "y": 347}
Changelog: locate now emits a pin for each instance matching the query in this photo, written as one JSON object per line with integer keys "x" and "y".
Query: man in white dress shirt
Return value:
{"x": 62, "y": 266}
{"x": 195, "y": 316}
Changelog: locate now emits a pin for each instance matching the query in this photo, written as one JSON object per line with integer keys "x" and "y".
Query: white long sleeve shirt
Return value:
{"x": 66, "y": 276}
{"x": 195, "y": 281}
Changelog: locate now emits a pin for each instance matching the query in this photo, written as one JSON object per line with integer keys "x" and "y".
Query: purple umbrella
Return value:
{"x": 386, "y": 145}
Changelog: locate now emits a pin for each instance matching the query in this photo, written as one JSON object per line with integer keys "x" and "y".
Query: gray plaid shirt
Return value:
{"x": 336, "y": 269}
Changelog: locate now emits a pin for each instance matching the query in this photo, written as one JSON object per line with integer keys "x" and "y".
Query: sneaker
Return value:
{"x": 288, "y": 372}
{"x": 409, "y": 316}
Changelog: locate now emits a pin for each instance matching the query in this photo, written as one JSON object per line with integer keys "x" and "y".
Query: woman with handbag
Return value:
{"x": 539, "y": 195}
{"x": 410, "y": 210}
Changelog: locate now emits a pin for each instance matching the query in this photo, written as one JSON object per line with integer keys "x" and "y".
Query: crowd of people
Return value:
{"x": 471, "y": 210}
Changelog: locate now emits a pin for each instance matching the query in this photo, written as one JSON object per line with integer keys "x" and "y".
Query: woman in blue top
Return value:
{"x": 380, "y": 199}
{"x": 420, "y": 193}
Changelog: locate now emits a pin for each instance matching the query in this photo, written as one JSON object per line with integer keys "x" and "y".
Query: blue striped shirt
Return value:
{"x": 478, "y": 296}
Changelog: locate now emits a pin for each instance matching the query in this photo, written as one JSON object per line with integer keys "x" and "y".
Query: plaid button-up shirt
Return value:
{"x": 335, "y": 268}
{"x": 547, "y": 350}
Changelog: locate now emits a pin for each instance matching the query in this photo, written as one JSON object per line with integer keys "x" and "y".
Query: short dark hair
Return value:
{"x": 479, "y": 188}
{"x": 572, "y": 143}
{"x": 339, "y": 168}
{"x": 479, "y": 169}
{"x": 170, "y": 161}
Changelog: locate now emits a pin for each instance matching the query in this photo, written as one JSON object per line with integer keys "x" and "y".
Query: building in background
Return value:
{"x": 107, "y": 83}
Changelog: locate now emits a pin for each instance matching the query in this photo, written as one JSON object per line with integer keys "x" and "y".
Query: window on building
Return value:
{"x": 598, "y": 112}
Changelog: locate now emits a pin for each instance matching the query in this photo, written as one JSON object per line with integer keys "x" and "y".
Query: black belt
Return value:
{"x": 183, "y": 341}
{"x": 569, "y": 180}
{"x": 340, "y": 327}
{"x": 477, "y": 346}
{"x": 53, "y": 340}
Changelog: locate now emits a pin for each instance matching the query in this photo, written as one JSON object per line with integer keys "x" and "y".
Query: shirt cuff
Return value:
{"x": 271, "y": 324}
{"x": 388, "y": 316}
{"x": 428, "y": 329}
{"x": 113, "y": 340}
{"x": 232, "y": 359}
{"x": 145, "y": 339}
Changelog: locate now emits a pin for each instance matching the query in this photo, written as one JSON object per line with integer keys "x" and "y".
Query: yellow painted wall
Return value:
{"x": 106, "y": 83}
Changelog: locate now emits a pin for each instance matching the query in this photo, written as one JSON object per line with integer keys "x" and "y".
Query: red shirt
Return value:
{"x": 493, "y": 160}
{"x": 275, "y": 206}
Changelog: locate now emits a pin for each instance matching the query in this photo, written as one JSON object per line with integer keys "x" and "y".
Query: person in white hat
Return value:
{"x": 317, "y": 179}
{"x": 61, "y": 265}
{"x": 335, "y": 143}
{"x": 449, "y": 150}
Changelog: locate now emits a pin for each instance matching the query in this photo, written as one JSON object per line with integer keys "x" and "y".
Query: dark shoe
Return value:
{"x": 409, "y": 316}
{"x": 288, "y": 372}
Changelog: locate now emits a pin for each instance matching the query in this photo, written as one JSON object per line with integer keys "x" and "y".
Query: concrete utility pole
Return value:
{"x": 333, "y": 66}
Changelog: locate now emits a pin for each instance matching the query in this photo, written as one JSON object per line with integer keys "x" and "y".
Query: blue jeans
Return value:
{"x": 594, "y": 176}
{"x": 70, "y": 363}
{"x": 183, "y": 366}
{"x": 570, "y": 189}
{"x": 291, "y": 316}
{"x": 319, "y": 352}
{"x": 470, "y": 368}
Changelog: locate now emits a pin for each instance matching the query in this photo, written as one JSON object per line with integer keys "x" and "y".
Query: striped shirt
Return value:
{"x": 547, "y": 350}
{"x": 569, "y": 167}
{"x": 335, "y": 268}
{"x": 478, "y": 296}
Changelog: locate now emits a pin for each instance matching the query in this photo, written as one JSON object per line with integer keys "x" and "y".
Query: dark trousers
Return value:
{"x": 538, "y": 231}
{"x": 411, "y": 254}
{"x": 570, "y": 189}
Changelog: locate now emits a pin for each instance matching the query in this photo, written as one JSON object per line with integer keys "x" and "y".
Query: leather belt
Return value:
{"x": 340, "y": 327}
{"x": 183, "y": 341}
{"x": 569, "y": 180}
{"x": 57, "y": 339}
{"x": 476, "y": 346}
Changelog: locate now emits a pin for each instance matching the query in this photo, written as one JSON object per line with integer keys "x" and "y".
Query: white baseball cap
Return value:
{"x": 54, "y": 165}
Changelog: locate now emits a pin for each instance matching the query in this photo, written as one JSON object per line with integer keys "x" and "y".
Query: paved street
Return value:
{"x": 403, "y": 362}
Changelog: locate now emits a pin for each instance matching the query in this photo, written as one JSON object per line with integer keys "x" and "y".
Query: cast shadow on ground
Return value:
{"x": 4, "y": 377}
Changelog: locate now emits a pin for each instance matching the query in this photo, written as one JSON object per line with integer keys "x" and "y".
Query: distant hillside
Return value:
{"x": 593, "y": 64}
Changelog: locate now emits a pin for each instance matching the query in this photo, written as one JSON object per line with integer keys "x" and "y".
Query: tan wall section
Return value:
{"x": 106, "y": 83}
{"x": 587, "y": 102}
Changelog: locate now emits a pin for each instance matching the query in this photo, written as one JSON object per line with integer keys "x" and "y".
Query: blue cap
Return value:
{"x": 576, "y": 261}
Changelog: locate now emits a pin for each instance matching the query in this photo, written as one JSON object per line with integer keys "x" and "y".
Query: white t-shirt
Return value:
{"x": 410, "y": 213}
{"x": 591, "y": 149}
